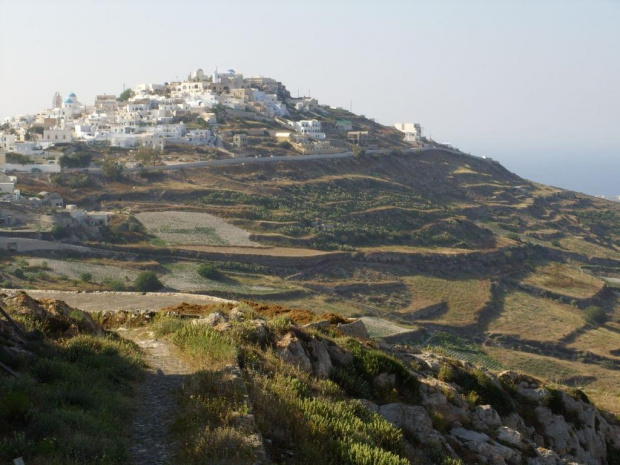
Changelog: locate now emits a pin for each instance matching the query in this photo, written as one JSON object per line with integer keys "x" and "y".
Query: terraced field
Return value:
{"x": 74, "y": 269}
{"x": 535, "y": 318}
{"x": 465, "y": 298}
{"x": 564, "y": 279}
{"x": 184, "y": 278}
{"x": 192, "y": 228}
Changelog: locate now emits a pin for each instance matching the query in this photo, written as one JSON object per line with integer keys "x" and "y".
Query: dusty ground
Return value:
{"x": 100, "y": 301}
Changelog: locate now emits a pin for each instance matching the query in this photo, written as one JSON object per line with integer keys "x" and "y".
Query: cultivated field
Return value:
{"x": 74, "y": 270}
{"x": 464, "y": 297}
{"x": 565, "y": 280}
{"x": 183, "y": 228}
{"x": 604, "y": 341}
{"x": 536, "y": 318}
{"x": 379, "y": 327}
{"x": 184, "y": 277}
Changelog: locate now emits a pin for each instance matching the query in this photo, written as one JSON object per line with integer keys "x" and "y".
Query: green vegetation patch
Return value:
{"x": 66, "y": 404}
{"x": 478, "y": 386}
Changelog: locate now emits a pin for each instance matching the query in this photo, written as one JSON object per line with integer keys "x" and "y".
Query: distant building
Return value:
{"x": 7, "y": 183}
{"x": 344, "y": 125}
{"x": 51, "y": 199}
{"x": 240, "y": 140}
{"x": 413, "y": 131}
{"x": 57, "y": 100}
{"x": 359, "y": 138}
{"x": 54, "y": 136}
{"x": 310, "y": 128}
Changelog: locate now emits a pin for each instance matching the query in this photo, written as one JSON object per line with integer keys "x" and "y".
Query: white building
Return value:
{"x": 8, "y": 141}
{"x": 310, "y": 128}
{"x": 413, "y": 131}
{"x": 7, "y": 183}
{"x": 71, "y": 106}
{"x": 53, "y": 136}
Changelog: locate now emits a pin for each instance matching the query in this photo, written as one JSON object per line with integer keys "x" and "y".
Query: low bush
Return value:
{"x": 367, "y": 365}
{"x": 477, "y": 386}
{"x": 147, "y": 281}
{"x": 594, "y": 315}
{"x": 209, "y": 271}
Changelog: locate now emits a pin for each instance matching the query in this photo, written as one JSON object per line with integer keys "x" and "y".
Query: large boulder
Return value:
{"x": 291, "y": 350}
{"x": 515, "y": 422}
{"x": 509, "y": 436}
{"x": 338, "y": 355}
{"x": 356, "y": 329}
{"x": 59, "y": 318}
{"x": 413, "y": 420}
{"x": 557, "y": 432}
{"x": 482, "y": 445}
{"x": 320, "y": 359}
{"x": 486, "y": 418}
{"x": 545, "y": 457}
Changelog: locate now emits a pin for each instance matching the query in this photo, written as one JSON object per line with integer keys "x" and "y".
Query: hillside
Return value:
{"x": 249, "y": 383}
{"x": 490, "y": 302}
{"x": 435, "y": 242}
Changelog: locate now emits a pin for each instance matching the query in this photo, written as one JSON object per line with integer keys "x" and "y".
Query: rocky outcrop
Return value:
{"x": 60, "y": 319}
{"x": 356, "y": 329}
{"x": 414, "y": 420}
{"x": 557, "y": 428}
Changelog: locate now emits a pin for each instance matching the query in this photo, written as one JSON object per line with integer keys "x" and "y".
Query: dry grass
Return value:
{"x": 578, "y": 244}
{"x": 536, "y": 318}
{"x": 565, "y": 280}
{"x": 464, "y": 297}
{"x": 599, "y": 341}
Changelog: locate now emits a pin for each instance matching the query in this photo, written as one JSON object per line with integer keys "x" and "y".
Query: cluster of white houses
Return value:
{"x": 152, "y": 116}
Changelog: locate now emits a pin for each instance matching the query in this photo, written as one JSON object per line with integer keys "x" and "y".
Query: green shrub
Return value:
{"x": 115, "y": 284}
{"x": 477, "y": 387}
{"x": 514, "y": 236}
{"x": 594, "y": 315}
{"x": 58, "y": 231}
{"x": 147, "y": 281}
{"x": 64, "y": 408}
{"x": 86, "y": 277}
{"x": 209, "y": 271}
{"x": 367, "y": 364}
{"x": 205, "y": 344}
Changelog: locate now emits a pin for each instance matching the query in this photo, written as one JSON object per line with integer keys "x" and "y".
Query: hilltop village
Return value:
{"x": 188, "y": 113}
{"x": 206, "y": 117}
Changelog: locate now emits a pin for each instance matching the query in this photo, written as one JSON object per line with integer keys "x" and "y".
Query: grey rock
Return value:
{"x": 414, "y": 421}
{"x": 290, "y": 349}
{"x": 509, "y": 436}
{"x": 338, "y": 355}
{"x": 319, "y": 357}
{"x": 356, "y": 329}
{"x": 487, "y": 417}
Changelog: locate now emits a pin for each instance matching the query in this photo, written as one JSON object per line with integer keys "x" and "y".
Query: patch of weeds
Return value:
{"x": 205, "y": 344}
{"x": 369, "y": 363}
{"x": 65, "y": 405}
{"x": 481, "y": 384}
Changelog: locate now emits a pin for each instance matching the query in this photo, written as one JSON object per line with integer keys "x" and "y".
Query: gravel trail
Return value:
{"x": 151, "y": 440}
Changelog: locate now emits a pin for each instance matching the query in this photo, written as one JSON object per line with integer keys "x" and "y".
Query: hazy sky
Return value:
{"x": 534, "y": 84}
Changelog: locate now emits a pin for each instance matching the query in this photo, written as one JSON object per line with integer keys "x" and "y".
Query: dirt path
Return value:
{"x": 156, "y": 403}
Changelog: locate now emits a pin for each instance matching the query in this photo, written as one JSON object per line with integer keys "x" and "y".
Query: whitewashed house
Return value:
{"x": 413, "y": 131}
{"x": 310, "y": 128}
